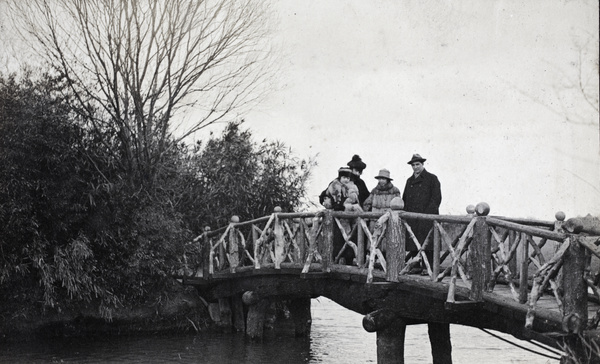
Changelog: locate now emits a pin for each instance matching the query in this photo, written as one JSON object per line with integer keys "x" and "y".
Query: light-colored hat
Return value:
{"x": 384, "y": 173}
{"x": 416, "y": 158}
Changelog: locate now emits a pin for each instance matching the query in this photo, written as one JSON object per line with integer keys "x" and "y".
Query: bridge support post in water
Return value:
{"x": 237, "y": 309}
{"x": 300, "y": 311}
{"x": 391, "y": 331}
{"x": 220, "y": 313}
{"x": 257, "y": 309}
{"x": 441, "y": 346}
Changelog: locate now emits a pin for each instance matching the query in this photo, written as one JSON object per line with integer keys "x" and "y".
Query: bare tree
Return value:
{"x": 135, "y": 64}
{"x": 584, "y": 83}
{"x": 578, "y": 84}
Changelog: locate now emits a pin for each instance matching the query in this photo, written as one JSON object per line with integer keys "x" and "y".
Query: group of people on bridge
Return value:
{"x": 422, "y": 194}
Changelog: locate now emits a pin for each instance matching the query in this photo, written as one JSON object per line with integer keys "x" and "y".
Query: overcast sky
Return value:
{"x": 487, "y": 91}
{"x": 479, "y": 88}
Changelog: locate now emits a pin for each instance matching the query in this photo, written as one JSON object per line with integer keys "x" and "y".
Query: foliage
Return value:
{"x": 74, "y": 231}
{"x": 235, "y": 176}
{"x": 44, "y": 254}
{"x": 78, "y": 234}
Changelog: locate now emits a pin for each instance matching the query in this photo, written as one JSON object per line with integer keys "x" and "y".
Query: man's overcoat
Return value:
{"x": 422, "y": 194}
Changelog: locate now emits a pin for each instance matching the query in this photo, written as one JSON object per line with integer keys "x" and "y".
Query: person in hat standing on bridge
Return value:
{"x": 341, "y": 194}
{"x": 381, "y": 196}
{"x": 357, "y": 165}
{"x": 422, "y": 194}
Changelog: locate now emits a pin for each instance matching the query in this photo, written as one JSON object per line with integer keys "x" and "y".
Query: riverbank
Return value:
{"x": 180, "y": 311}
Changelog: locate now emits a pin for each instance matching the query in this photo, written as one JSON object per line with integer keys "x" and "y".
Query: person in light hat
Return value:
{"x": 422, "y": 194}
{"x": 381, "y": 196}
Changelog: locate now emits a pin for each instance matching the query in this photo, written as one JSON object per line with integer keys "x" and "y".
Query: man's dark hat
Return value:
{"x": 416, "y": 158}
{"x": 357, "y": 163}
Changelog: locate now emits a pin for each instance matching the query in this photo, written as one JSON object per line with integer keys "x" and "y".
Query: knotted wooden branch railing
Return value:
{"x": 478, "y": 249}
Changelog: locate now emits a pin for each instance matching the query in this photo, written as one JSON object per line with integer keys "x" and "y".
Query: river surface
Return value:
{"x": 337, "y": 337}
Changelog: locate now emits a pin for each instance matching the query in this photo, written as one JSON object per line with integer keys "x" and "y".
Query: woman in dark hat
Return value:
{"x": 357, "y": 166}
{"x": 341, "y": 194}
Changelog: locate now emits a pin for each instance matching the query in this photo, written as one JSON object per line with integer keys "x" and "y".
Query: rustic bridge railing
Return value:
{"x": 531, "y": 257}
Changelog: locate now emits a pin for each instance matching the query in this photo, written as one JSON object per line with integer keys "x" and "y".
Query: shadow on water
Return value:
{"x": 337, "y": 337}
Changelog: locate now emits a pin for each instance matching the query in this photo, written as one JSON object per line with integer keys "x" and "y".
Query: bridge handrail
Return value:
{"x": 482, "y": 249}
{"x": 526, "y": 221}
{"x": 556, "y": 236}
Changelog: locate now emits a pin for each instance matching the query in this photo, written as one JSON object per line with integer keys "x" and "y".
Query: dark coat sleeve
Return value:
{"x": 363, "y": 191}
{"x": 435, "y": 193}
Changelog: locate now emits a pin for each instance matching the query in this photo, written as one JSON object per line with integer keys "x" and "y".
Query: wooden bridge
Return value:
{"x": 535, "y": 280}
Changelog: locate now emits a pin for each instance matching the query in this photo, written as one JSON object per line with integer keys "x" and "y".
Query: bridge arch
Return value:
{"x": 524, "y": 277}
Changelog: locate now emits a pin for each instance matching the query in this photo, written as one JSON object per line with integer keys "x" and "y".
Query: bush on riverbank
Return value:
{"x": 88, "y": 236}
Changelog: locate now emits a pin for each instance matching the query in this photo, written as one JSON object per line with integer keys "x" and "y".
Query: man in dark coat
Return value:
{"x": 422, "y": 194}
{"x": 357, "y": 166}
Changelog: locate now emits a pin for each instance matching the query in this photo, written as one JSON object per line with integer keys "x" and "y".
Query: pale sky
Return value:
{"x": 482, "y": 89}
{"x": 476, "y": 87}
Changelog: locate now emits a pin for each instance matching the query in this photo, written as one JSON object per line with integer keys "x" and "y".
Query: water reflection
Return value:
{"x": 337, "y": 337}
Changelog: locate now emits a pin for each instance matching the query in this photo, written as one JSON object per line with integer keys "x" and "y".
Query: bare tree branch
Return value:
{"x": 141, "y": 62}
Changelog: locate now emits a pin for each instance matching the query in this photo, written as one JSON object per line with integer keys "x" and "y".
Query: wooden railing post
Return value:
{"x": 222, "y": 255}
{"x": 233, "y": 247}
{"x": 279, "y": 243}
{"x": 524, "y": 273}
{"x": 512, "y": 263}
{"x": 575, "y": 318}
{"x": 480, "y": 254}
{"x": 255, "y": 247}
{"x": 301, "y": 240}
{"x": 437, "y": 247}
{"x": 560, "y": 219}
{"x": 360, "y": 244}
{"x": 395, "y": 247}
{"x": 326, "y": 243}
{"x": 206, "y": 253}
{"x": 575, "y": 287}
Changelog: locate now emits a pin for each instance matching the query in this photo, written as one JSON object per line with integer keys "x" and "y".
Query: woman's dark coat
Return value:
{"x": 363, "y": 191}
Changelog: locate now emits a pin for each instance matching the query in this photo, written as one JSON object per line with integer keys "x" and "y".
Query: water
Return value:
{"x": 337, "y": 337}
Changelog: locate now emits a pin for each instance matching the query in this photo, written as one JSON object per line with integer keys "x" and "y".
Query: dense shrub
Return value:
{"x": 233, "y": 175}
{"x": 45, "y": 254}
{"x": 83, "y": 230}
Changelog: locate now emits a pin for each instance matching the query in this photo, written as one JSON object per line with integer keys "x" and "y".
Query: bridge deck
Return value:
{"x": 347, "y": 286}
{"x": 546, "y": 302}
